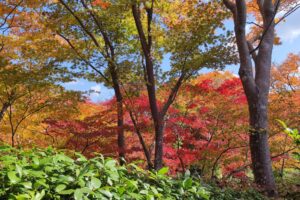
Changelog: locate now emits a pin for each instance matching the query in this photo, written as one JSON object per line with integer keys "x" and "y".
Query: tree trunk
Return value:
{"x": 257, "y": 86}
{"x": 3, "y": 110}
{"x": 159, "y": 141}
{"x": 13, "y": 139}
{"x": 259, "y": 147}
{"x": 120, "y": 118}
{"x": 150, "y": 82}
{"x": 121, "y": 136}
{"x": 141, "y": 139}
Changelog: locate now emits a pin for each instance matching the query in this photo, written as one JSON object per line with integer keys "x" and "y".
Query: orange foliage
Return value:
{"x": 103, "y": 4}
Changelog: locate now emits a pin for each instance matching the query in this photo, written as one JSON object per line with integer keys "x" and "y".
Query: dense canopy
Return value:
{"x": 148, "y": 99}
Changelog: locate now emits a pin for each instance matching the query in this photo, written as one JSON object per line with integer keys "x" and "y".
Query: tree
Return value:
{"x": 186, "y": 44}
{"x": 284, "y": 105}
{"x": 9, "y": 9}
{"x": 90, "y": 131}
{"x": 100, "y": 42}
{"x": 257, "y": 84}
{"x": 29, "y": 93}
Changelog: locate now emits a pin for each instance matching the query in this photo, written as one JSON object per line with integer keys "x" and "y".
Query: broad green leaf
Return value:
{"x": 110, "y": 164}
{"x": 187, "y": 183}
{"x": 12, "y": 177}
{"x": 19, "y": 170}
{"x": 39, "y": 195}
{"x": 107, "y": 193}
{"x": 27, "y": 185}
{"x": 23, "y": 197}
{"x": 78, "y": 194}
{"x": 60, "y": 188}
{"x": 66, "y": 192}
{"x": 95, "y": 182}
{"x": 163, "y": 171}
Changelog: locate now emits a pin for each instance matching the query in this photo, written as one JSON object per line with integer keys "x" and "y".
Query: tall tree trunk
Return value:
{"x": 259, "y": 148}
{"x": 159, "y": 141}
{"x": 257, "y": 86}
{"x": 150, "y": 82}
{"x": 120, "y": 116}
{"x": 141, "y": 139}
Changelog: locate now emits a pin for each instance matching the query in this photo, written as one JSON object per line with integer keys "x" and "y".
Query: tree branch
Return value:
{"x": 172, "y": 95}
{"x": 83, "y": 59}
{"x": 11, "y": 11}
{"x": 80, "y": 23}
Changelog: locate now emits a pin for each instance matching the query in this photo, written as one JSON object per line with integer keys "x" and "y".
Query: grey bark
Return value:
{"x": 256, "y": 86}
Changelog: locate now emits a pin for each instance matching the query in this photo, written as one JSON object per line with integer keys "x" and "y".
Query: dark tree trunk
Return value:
{"x": 159, "y": 141}
{"x": 109, "y": 55}
{"x": 256, "y": 85}
{"x": 259, "y": 147}
{"x": 3, "y": 110}
{"x": 150, "y": 79}
{"x": 157, "y": 115}
{"x": 120, "y": 116}
{"x": 141, "y": 139}
{"x": 13, "y": 139}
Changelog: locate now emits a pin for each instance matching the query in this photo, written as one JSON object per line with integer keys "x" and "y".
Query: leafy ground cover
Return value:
{"x": 50, "y": 174}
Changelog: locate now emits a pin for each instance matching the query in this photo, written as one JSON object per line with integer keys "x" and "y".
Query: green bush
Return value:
{"x": 230, "y": 194}
{"x": 49, "y": 174}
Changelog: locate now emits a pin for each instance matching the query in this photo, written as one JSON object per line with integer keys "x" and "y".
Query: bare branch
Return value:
{"x": 10, "y": 13}
{"x": 83, "y": 59}
{"x": 249, "y": 164}
{"x": 256, "y": 24}
{"x": 103, "y": 33}
{"x": 289, "y": 12}
{"x": 172, "y": 94}
{"x": 80, "y": 23}
{"x": 268, "y": 26}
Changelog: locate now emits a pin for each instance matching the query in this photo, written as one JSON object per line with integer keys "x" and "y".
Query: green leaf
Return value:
{"x": 64, "y": 178}
{"x": 66, "y": 192}
{"x": 109, "y": 182}
{"x": 78, "y": 194}
{"x": 19, "y": 170}
{"x": 36, "y": 161}
{"x": 39, "y": 195}
{"x": 12, "y": 177}
{"x": 60, "y": 188}
{"x": 107, "y": 193}
{"x": 187, "y": 183}
{"x": 95, "y": 182}
{"x": 163, "y": 171}
{"x": 282, "y": 123}
{"x": 22, "y": 197}
{"x": 27, "y": 185}
{"x": 110, "y": 164}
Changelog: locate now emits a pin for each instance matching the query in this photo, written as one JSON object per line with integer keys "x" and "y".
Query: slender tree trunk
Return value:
{"x": 13, "y": 140}
{"x": 120, "y": 115}
{"x": 146, "y": 45}
{"x": 141, "y": 139}
{"x": 159, "y": 141}
{"x": 121, "y": 136}
{"x": 3, "y": 110}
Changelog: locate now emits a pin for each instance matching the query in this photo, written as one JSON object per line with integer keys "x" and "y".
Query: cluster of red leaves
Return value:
{"x": 206, "y": 127}
{"x": 103, "y": 4}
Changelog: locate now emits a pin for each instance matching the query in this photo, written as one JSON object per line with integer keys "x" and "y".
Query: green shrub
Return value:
{"x": 230, "y": 194}
{"x": 49, "y": 174}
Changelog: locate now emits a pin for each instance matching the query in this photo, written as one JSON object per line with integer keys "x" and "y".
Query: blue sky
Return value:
{"x": 288, "y": 31}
